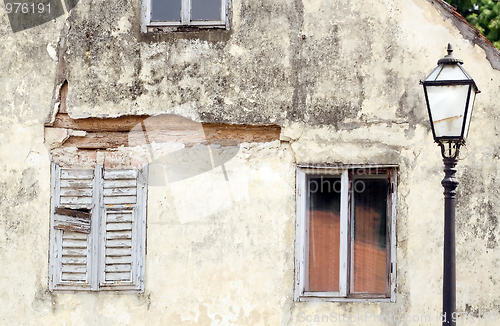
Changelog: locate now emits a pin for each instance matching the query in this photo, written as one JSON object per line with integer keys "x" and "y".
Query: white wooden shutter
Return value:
{"x": 110, "y": 254}
{"x": 122, "y": 236}
{"x": 71, "y": 258}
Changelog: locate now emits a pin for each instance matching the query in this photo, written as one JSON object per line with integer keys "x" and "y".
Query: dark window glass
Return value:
{"x": 368, "y": 236}
{"x": 166, "y": 10}
{"x": 323, "y": 214}
{"x": 205, "y": 9}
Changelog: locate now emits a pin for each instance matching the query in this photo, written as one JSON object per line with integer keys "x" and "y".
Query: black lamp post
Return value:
{"x": 449, "y": 93}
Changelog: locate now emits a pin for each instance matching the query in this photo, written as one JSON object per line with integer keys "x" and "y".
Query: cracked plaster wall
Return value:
{"x": 340, "y": 77}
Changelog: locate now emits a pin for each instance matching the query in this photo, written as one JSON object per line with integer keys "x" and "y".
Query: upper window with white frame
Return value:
{"x": 98, "y": 229}
{"x": 345, "y": 235}
{"x": 187, "y": 13}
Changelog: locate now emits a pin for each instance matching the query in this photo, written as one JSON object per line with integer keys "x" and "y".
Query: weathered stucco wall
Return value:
{"x": 341, "y": 78}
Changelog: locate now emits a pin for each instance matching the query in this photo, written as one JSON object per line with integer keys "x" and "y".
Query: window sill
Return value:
{"x": 183, "y": 29}
{"x": 336, "y": 299}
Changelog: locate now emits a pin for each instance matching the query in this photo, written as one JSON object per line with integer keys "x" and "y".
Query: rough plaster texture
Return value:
{"x": 340, "y": 77}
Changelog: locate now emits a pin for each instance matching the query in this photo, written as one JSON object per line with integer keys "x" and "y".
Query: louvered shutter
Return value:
{"x": 71, "y": 258}
{"x": 122, "y": 242}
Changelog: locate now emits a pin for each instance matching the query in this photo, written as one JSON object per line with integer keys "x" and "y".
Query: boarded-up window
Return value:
{"x": 345, "y": 233}
{"x": 98, "y": 229}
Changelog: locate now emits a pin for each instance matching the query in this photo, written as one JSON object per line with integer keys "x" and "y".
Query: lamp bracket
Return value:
{"x": 450, "y": 148}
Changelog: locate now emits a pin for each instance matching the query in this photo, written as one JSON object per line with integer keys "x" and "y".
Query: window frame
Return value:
{"x": 96, "y": 241}
{"x": 185, "y": 17}
{"x": 347, "y": 174}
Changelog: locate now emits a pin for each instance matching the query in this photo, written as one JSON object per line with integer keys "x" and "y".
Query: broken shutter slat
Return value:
{"x": 72, "y": 212}
{"x": 71, "y": 220}
{"x": 60, "y": 223}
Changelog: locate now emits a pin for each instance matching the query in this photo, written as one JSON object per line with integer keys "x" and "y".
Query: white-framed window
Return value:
{"x": 187, "y": 13}
{"x": 98, "y": 229}
{"x": 345, "y": 246}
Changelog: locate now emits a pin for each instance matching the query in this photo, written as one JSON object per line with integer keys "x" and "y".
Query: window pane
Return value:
{"x": 166, "y": 10}
{"x": 323, "y": 213}
{"x": 369, "y": 247}
{"x": 205, "y": 9}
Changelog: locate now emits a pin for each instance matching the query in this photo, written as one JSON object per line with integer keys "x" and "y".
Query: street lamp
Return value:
{"x": 449, "y": 94}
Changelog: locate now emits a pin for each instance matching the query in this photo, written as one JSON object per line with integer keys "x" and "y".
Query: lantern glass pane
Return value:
{"x": 451, "y": 72}
{"x": 469, "y": 112}
{"x": 447, "y": 109}
{"x": 434, "y": 73}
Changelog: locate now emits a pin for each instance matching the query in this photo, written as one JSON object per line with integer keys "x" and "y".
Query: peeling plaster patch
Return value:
{"x": 123, "y": 27}
{"x": 52, "y": 52}
{"x": 236, "y": 50}
{"x": 55, "y": 137}
{"x": 292, "y": 132}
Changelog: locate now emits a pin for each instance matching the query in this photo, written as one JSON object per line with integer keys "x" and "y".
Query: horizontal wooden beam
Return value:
{"x": 126, "y": 123}
{"x": 103, "y": 133}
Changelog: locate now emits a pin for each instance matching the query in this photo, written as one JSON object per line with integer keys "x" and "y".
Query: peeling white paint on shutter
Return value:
{"x": 70, "y": 250}
{"x": 74, "y": 257}
{"x": 76, "y": 188}
{"x": 122, "y": 237}
{"x": 119, "y": 247}
{"x": 110, "y": 256}
{"x": 120, "y": 187}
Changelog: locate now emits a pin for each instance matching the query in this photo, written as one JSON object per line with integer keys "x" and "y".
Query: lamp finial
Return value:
{"x": 450, "y": 58}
